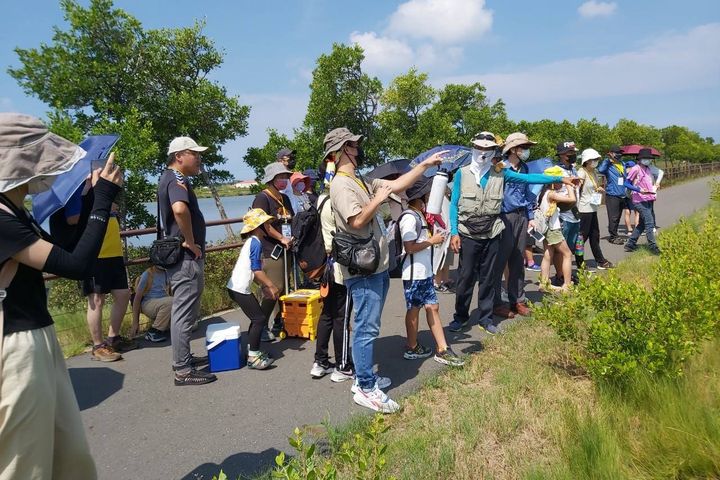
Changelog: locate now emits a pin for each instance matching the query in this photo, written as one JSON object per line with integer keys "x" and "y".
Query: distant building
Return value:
{"x": 245, "y": 184}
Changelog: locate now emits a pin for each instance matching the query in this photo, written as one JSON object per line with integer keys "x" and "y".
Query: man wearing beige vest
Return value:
{"x": 475, "y": 225}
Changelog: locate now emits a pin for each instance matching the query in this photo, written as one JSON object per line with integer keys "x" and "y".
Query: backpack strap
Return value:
{"x": 418, "y": 230}
{"x": 7, "y": 273}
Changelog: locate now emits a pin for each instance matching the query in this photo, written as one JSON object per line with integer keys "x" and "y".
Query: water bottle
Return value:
{"x": 437, "y": 192}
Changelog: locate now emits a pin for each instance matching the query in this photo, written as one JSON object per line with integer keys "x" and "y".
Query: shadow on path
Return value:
{"x": 240, "y": 465}
{"x": 94, "y": 385}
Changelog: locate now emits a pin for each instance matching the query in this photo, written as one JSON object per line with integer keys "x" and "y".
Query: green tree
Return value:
{"x": 106, "y": 73}
{"x": 630, "y": 132}
{"x": 341, "y": 95}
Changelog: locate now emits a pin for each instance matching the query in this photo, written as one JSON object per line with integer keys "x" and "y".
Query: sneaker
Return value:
{"x": 194, "y": 377}
{"x": 260, "y": 362}
{"x": 616, "y": 241}
{"x": 630, "y": 248}
{"x": 105, "y": 353}
{"x": 380, "y": 382}
{"x": 267, "y": 336}
{"x": 121, "y": 344}
{"x": 533, "y": 268}
{"x": 503, "y": 311}
{"x": 456, "y": 326}
{"x": 489, "y": 328}
{"x": 338, "y": 375}
{"x": 442, "y": 288}
{"x": 375, "y": 400}
{"x": 318, "y": 370}
{"x": 416, "y": 353}
{"x": 606, "y": 265}
{"x": 448, "y": 357}
{"x": 155, "y": 336}
{"x": 504, "y": 295}
{"x": 655, "y": 251}
{"x": 521, "y": 309}
{"x": 199, "y": 361}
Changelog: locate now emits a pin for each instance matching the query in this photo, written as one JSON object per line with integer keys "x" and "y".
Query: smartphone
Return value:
{"x": 95, "y": 164}
{"x": 537, "y": 236}
{"x": 277, "y": 252}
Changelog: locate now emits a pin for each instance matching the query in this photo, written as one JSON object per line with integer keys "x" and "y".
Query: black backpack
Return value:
{"x": 397, "y": 258}
{"x": 309, "y": 247}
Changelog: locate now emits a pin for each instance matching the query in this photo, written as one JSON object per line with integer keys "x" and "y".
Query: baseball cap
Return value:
{"x": 566, "y": 147}
{"x": 179, "y": 144}
{"x": 284, "y": 152}
{"x": 484, "y": 140}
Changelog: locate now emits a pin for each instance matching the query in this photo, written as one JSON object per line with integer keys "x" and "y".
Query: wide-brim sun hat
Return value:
{"x": 645, "y": 153}
{"x": 517, "y": 139}
{"x": 274, "y": 169}
{"x": 589, "y": 154}
{"x": 485, "y": 140}
{"x": 419, "y": 189}
{"x": 254, "y": 218}
{"x": 297, "y": 177}
{"x": 28, "y": 150}
{"x": 336, "y": 138}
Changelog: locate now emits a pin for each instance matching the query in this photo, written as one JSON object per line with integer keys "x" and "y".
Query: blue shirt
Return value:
{"x": 518, "y": 195}
{"x": 508, "y": 175}
{"x": 612, "y": 174}
{"x": 160, "y": 285}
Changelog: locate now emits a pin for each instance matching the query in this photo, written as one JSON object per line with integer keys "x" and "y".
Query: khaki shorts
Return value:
{"x": 553, "y": 237}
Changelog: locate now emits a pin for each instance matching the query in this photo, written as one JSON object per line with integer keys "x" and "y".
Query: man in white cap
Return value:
{"x": 517, "y": 216}
{"x": 180, "y": 215}
{"x": 475, "y": 225}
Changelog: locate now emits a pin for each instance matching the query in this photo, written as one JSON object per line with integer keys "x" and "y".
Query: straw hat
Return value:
{"x": 29, "y": 151}
{"x": 254, "y": 218}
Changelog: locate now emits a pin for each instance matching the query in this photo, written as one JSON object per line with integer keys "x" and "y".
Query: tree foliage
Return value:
{"x": 106, "y": 73}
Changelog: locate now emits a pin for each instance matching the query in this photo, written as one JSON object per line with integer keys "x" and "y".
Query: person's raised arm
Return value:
{"x": 407, "y": 180}
{"x": 47, "y": 257}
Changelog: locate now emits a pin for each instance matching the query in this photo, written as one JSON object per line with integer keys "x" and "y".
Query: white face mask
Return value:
{"x": 646, "y": 161}
{"x": 592, "y": 163}
{"x": 40, "y": 184}
{"x": 524, "y": 154}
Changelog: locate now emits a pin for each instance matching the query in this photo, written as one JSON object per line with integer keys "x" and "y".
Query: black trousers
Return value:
{"x": 512, "y": 253}
{"x": 590, "y": 230}
{"x": 614, "y": 207}
{"x": 251, "y": 308}
{"x": 478, "y": 259}
{"x": 335, "y": 320}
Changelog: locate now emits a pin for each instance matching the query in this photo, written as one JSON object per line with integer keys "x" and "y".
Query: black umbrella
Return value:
{"x": 390, "y": 169}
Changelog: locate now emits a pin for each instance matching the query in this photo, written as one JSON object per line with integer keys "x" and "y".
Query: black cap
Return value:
{"x": 566, "y": 147}
{"x": 419, "y": 189}
{"x": 616, "y": 149}
{"x": 284, "y": 152}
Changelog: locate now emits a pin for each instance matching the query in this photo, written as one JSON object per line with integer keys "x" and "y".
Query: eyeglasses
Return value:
{"x": 481, "y": 136}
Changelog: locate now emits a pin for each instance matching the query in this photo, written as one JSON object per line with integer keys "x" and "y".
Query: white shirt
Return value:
{"x": 422, "y": 260}
{"x": 242, "y": 275}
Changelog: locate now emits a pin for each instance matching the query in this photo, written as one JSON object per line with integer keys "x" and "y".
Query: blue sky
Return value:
{"x": 657, "y": 62}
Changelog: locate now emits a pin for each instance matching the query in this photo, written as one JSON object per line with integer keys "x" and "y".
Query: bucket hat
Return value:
{"x": 485, "y": 140}
{"x": 419, "y": 189}
{"x": 516, "y": 139}
{"x": 297, "y": 177}
{"x": 589, "y": 154}
{"x": 179, "y": 144}
{"x": 338, "y": 137}
{"x": 645, "y": 153}
{"x": 28, "y": 150}
{"x": 253, "y": 219}
{"x": 274, "y": 169}
{"x": 554, "y": 171}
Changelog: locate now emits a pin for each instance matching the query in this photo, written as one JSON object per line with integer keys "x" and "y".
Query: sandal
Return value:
{"x": 260, "y": 362}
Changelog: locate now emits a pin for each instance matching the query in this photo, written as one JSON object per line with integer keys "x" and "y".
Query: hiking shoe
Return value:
{"x": 533, "y": 268}
{"x": 606, "y": 265}
{"x": 342, "y": 375}
{"x": 199, "y": 361}
{"x": 121, "y": 344}
{"x": 630, "y": 248}
{"x": 448, "y": 357}
{"x": 457, "y": 326}
{"x": 260, "y": 362}
{"x": 105, "y": 353}
{"x": 380, "y": 382}
{"x": 489, "y": 328}
{"x": 155, "y": 336}
{"x": 418, "y": 352}
{"x": 521, "y": 309}
{"x": 319, "y": 370}
{"x": 194, "y": 377}
{"x": 375, "y": 400}
{"x": 503, "y": 311}
{"x": 267, "y": 335}
{"x": 616, "y": 241}
{"x": 655, "y": 251}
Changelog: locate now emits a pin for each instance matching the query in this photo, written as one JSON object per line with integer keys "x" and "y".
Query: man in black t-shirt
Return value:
{"x": 276, "y": 204}
{"x": 180, "y": 215}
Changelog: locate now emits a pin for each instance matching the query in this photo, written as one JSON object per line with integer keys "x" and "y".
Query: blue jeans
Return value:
{"x": 368, "y": 295}
{"x": 647, "y": 223}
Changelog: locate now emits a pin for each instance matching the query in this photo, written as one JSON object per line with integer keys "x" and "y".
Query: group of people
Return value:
{"x": 493, "y": 213}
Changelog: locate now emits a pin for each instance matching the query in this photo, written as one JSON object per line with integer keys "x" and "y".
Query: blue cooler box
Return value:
{"x": 223, "y": 346}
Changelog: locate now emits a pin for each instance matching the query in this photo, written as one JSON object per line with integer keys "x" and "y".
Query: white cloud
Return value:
{"x": 442, "y": 21}
{"x": 383, "y": 54}
{"x": 593, "y": 9}
{"x": 672, "y": 63}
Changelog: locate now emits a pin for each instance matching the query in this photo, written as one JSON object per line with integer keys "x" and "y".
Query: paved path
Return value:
{"x": 140, "y": 425}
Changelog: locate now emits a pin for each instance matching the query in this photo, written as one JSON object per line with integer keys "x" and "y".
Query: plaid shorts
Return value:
{"x": 419, "y": 293}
